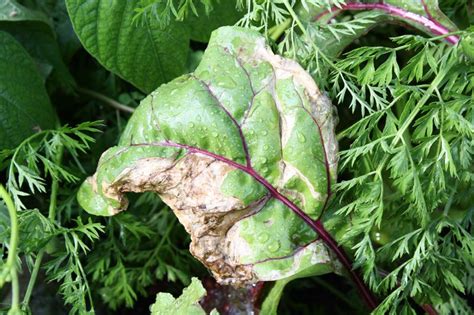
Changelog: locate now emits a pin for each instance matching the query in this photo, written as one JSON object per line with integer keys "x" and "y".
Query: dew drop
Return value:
{"x": 301, "y": 138}
{"x": 265, "y": 132}
{"x": 266, "y": 147}
{"x": 263, "y": 237}
{"x": 227, "y": 82}
{"x": 378, "y": 236}
{"x": 191, "y": 125}
{"x": 204, "y": 74}
{"x": 295, "y": 238}
{"x": 273, "y": 247}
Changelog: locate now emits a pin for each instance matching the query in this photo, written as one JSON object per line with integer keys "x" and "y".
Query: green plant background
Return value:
{"x": 405, "y": 107}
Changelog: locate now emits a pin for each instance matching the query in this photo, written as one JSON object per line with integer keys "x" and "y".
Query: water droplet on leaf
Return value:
{"x": 301, "y": 138}
{"x": 226, "y": 82}
{"x": 263, "y": 237}
{"x": 273, "y": 247}
{"x": 204, "y": 74}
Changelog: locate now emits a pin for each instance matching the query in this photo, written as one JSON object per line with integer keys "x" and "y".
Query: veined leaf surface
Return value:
{"x": 24, "y": 104}
{"x": 236, "y": 149}
{"x": 145, "y": 54}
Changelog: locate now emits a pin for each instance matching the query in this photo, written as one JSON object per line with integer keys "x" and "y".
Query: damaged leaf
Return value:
{"x": 187, "y": 303}
{"x": 240, "y": 149}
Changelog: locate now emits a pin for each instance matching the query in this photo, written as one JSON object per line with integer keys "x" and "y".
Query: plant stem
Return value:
{"x": 434, "y": 85}
{"x": 51, "y": 216}
{"x": 11, "y": 263}
{"x": 448, "y": 205}
{"x": 106, "y": 100}
{"x": 33, "y": 276}
{"x": 429, "y": 22}
{"x": 429, "y": 309}
{"x": 276, "y": 31}
{"x": 294, "y": 16}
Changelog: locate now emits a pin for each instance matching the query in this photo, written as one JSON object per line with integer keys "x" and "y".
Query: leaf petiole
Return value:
{"x": 276, "y": 31}
{"x": 11, "y": 264}
{"x": 106, "y": 100}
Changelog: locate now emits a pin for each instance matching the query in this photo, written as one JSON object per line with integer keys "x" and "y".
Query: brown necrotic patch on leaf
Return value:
{"x": 244, "y": 153}
{"x": 190, "y": 186}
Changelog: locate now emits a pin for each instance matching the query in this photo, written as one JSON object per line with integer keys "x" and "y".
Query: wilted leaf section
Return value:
{"x": 234, "y": 149}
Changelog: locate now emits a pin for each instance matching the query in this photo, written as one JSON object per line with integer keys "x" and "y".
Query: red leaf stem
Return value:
{"x": 429, "y": 22}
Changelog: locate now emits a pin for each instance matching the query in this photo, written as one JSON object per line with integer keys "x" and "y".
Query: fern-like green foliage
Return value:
{"x": 166, "y": 10}
{"x": 411, "y": 156}
{"x": 408, "y": 154}
{"x": 406, "y": 134}
{"x": 29, "y": 166}
{"x": 140, "y": 247}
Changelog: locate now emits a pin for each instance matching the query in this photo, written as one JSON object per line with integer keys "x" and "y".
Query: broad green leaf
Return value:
{"x": 11, "y": 10}
{"x": 67, "y": 39}
{"x": 35, "y": 32}
{"x": 24, "y": 104}
{"x": 235, "y": 149}
{"x": 40, "y": 43}
{"x": 142, "y": 53}
{"x": 186, "y": 303}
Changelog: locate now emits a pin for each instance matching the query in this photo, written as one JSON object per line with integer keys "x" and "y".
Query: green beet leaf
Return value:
{"x": 236, "y": 149}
